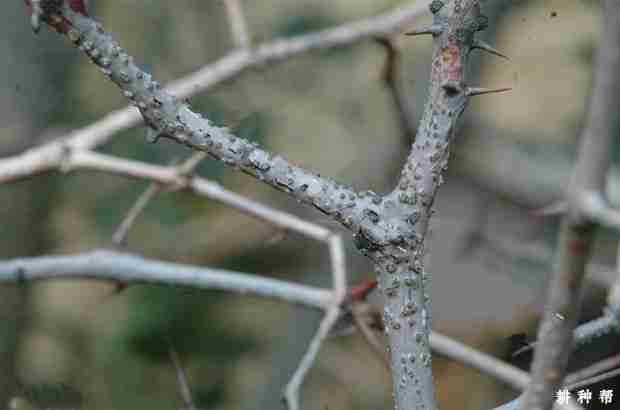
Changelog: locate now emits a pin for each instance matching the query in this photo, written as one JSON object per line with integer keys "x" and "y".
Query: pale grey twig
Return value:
{"x": 513, "y": 376}
{"x": 120, "y": 235}
{"x": 578, "y": 378}
{"x": 358, "y": 317}
{"x": 291, "y": 392}
{"x": 169, "y": 176}
{"x": 127, "y": 268}
{"x": 594, "y": 379}
{"x": 238, "y": 23}
{"x": 597, "y": 208}
{"x": 392, "y": 76}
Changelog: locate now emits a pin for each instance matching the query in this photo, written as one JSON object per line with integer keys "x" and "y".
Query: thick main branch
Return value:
{"x": 394, "y": 236}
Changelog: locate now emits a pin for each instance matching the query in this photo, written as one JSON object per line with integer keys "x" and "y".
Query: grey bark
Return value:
{"x": 555, "y": 333}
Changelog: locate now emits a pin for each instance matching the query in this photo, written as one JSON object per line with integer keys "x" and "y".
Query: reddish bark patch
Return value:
{"x": 451, "y": 63}
{"x": 359, "y": 292}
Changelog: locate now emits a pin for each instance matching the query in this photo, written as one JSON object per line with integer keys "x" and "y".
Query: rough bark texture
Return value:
{"x": 391, "y": 230}
{"x": 394, "y": 233}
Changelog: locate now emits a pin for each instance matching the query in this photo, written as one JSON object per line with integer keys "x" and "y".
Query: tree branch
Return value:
{"x": 126, "y": 268}
{"x": 513, "y": 376}
{"x": 35, "y": 160}
{"x": 602, "y": 125}
{"x": 238, "y": 24}
{"x": 395, "y": 236}
{"x": 186, "y": 168}
{"x": 184, "y": 390}
{"x": 392, "y": 76}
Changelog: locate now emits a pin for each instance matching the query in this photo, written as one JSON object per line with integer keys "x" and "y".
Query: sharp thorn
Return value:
{"x": 473, "y": 91}
{"x": 433, "y": 30}
{"x": 481, "y": 45}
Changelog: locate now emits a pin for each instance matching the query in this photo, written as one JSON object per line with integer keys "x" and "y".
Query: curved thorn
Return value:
{"x": 472, "y": 91}
{"x": 481, "y": 45}
{"x": 433, "y": 30}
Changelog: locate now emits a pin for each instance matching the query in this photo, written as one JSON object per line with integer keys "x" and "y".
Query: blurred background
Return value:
{"x": 78, "y": 344}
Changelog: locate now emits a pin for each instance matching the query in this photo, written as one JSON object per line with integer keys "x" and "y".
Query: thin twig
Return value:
{"x": 170, "y": 177}
{"x": 120, "y": 235}
{"x": 592, "y": 370}
{"x": 513, "y": 376}
{"x": 369, "y": 335}
{"x": 184, "y": 390}
{"x": 127, "y": 268}
{"x": 238, "y": 23}
{"x": 594, "y": 379}
{"x": 392, "y": 76}
{"x": 186, "y": 168}
{"x": 291, "y": 391}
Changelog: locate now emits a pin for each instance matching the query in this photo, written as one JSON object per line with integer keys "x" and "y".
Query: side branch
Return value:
{"x": 171, "y": 177}
{"x": 116, "y": 266}
{"x": 168, "y": 117}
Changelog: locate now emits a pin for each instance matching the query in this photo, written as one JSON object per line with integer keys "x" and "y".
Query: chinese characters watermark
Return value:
{"x": 585, "y": 396}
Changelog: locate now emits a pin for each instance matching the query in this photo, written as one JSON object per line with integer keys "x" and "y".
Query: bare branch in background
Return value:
{"x": 392, "y": 76}
{"x": 34, "y": 161}
{"x": 360, "y": 316}
{"x": 238, "y": 24}
{"x": 120, "y": 235}
{"x": 513, "y": 376}
{"x": 186, "y": 168}
{"x": 126, "y": 268}
{"x": 555, "y": 333}
{"x": 184, "y": 390}
{"x": 584, "y": 376}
